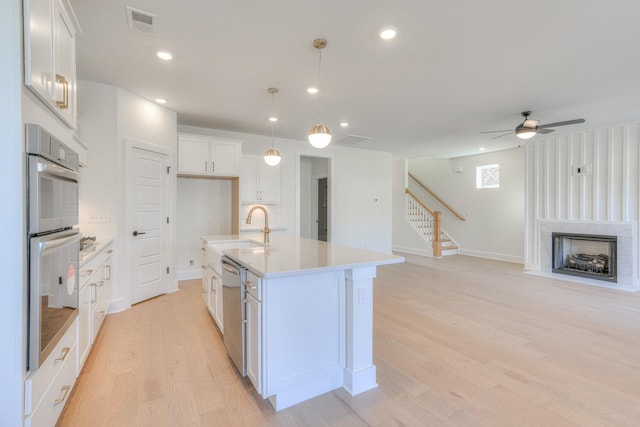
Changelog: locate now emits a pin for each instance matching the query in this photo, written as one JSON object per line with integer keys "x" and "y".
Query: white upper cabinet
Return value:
{"x": 208, "y": 156}
{"x": 50, "y": 55}
{"x": 259, "y": 182}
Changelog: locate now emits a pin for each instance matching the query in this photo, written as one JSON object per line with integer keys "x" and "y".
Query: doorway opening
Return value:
{"x": 315, "y": 192}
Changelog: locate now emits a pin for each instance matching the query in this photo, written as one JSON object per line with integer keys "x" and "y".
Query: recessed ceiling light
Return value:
{"x": 273, "y": 119}
{"x": 161, "y": 101}
{"x": 164, "y": 55}
{"x": 482, "y": 149}
{"x": 312, "y": 90}
{"x": 344, "y": 124}
{"x": 388, "y": 33}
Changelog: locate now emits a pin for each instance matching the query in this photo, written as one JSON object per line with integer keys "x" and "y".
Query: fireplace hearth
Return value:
{"x": 590, "y": 256}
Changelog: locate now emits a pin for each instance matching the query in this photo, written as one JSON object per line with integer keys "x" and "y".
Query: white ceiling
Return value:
{"x": 457, "y": 67}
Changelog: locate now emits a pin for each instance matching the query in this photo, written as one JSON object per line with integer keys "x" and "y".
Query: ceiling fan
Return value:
{"x": 529, "y": 127}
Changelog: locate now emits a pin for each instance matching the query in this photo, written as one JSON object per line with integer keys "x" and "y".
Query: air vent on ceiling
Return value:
{"x": 352, "y": 139}
{"x": 142, "y": 21}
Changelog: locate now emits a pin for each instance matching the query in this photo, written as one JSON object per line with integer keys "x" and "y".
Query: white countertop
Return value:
{"x": 86, "y": 256}
{"x": 290, "y": 255}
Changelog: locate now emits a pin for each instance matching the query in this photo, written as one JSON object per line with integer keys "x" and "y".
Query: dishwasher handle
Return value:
{"x": 230, "y": 268}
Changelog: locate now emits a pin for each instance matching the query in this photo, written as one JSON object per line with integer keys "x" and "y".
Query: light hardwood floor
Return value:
{"x": 459, "y": 341}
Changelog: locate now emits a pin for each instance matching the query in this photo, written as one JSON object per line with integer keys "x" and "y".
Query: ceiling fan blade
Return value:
{"x": 544, "y": 131}
{"x": 504, "y": 134}
{"x": 494, "y": 131}
{"x": 565, "y": 123}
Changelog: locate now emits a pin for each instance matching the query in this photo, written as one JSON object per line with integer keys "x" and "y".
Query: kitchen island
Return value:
{"x": 308, "y": 315}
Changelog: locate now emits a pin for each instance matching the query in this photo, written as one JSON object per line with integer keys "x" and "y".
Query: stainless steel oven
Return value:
{"x": 53, "y": 291}
{"x": 53, "y": 242}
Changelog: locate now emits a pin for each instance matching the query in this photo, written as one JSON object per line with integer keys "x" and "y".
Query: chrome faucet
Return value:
{"x": 266, "y": 230}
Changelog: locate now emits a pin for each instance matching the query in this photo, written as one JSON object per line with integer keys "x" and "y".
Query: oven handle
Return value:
{"x": 52, "y": 244}
{"x": 51, "y": 169}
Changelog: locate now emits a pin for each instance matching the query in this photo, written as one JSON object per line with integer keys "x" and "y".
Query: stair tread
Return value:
{"x": 448, "y": 248}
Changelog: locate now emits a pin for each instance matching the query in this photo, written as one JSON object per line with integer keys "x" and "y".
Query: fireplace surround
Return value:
{"x": 626, "y": 251}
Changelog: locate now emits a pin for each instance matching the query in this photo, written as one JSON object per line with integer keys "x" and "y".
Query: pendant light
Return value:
{"x": 272, "y": 156}
{"x": 319, "y": 135}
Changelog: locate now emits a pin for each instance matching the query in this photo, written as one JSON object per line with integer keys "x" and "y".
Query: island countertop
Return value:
{"x": 288, "y": 255}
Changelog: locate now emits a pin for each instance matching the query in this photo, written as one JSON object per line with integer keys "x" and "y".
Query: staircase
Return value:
{"x": 426, "y": 224}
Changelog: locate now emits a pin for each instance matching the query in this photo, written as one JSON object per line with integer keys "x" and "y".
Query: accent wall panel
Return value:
{"x": 582, "y": 176}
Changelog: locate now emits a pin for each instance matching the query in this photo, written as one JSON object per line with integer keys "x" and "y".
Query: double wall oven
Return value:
{"x": 53, "y": 242}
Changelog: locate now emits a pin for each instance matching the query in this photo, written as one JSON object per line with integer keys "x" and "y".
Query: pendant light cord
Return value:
{"x": 319, "y": 85}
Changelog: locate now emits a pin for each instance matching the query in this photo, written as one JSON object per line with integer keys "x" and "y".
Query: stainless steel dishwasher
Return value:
{"x": 233, "y": 278}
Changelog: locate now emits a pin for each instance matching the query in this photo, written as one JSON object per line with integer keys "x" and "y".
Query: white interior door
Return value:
{"x": 147, "y": 228}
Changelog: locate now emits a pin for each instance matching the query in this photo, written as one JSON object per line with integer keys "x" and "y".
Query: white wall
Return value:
{"x": 357, "y": 177}
{"x": 107, "y": 117}
{"x": 203, "y": 208}
{"x": 12, "y": 262}
{"x": 494, "y": 226}
{"x": 608, "y": 192}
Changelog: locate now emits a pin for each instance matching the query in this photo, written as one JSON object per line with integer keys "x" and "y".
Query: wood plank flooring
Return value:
{"x": 459, "y": 341}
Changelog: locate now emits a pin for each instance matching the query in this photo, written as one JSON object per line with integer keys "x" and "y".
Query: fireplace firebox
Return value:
{"x": 582, "y": 255}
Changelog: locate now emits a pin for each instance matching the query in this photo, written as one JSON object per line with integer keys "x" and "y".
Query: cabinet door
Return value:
{"x": 64, "y": 80}
{"x": 253, "y": 342}
{"x": 84, "y": 325}
{"x": 225, "y": 158}
{"x": 269, "y": 183}
{"x": 249, "y": 179}
{"x": 206, "y": 278}
{"x": 218, "y": 302}
{"x": 193, "y": 155}
{"x": 211, "y": 292}
{"x": 38, "y": 42}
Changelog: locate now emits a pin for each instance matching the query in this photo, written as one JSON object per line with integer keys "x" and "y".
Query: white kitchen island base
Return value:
{"x": 310, "y": 325}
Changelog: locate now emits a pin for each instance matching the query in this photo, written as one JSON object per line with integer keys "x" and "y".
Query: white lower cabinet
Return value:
{"x": 95, "y": 296}
{"x": 214, "y": 302}
{"x": 47, "y": 389}
{"x": 253, "y": 328}
{"x": 253, "y": 345}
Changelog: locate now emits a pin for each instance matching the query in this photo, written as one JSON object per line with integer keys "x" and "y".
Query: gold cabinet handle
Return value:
{"x": 63, "y": 356}
{"x": 64, "y": 104}
{"x": 65, "y": 390}
{"x": 250, "y": 286}
{"x": 101, "y": 313}
{"x": 87, "y": 273}
{"x": 205, "y": 165}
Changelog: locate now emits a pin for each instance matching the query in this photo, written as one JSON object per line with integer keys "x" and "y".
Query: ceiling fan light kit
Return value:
{"x": 530, "y": 127}
{"x": 319, "y": 135}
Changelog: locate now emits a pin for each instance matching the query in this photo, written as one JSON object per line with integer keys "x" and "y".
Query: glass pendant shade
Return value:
{"x": 319, "y": 136}
{"x": 272, "y": 157}
{"x": 525, "y": 133}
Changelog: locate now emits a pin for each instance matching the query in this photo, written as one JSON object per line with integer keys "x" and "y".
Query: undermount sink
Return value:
{"x": 237, "y": 245}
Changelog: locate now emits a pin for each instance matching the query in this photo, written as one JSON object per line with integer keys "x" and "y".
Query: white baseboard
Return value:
{"x": 189, "y": 274}
{"x": 412, "y": 251}
{"x": 492, "y": 255}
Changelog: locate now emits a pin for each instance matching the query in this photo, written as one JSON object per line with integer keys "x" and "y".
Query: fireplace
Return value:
{"x": 585, "y": 255}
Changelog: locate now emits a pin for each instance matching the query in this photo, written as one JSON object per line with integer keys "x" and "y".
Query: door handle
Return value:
{"x": 135, "y": 233}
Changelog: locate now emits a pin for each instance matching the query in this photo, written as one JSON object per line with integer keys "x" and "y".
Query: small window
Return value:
{"x": 488, "y": 176}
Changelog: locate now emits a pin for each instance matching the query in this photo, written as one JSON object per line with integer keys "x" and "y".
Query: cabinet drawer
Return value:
{"x": 38, "y": 381}
{"x": 253, "y": 286}
{"x": 99, "y": 313}
{"x": 46, "y": 413}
